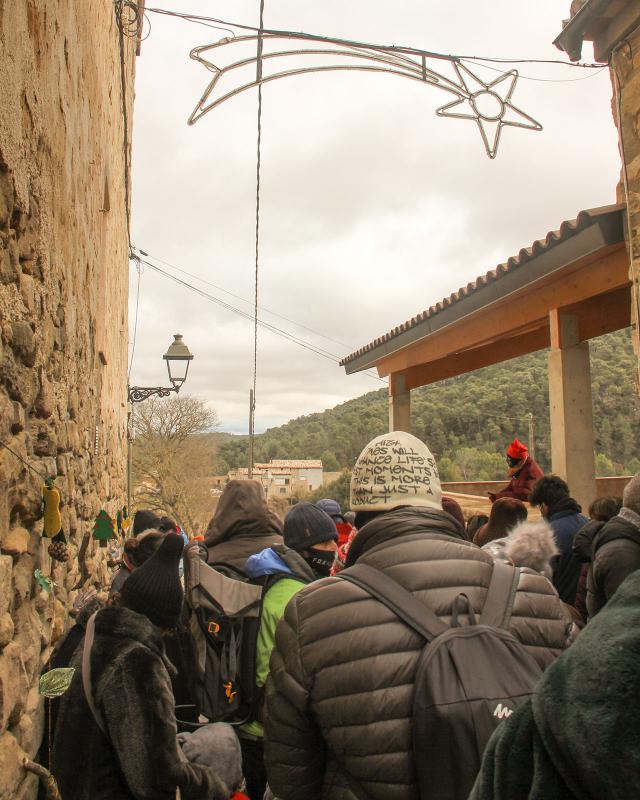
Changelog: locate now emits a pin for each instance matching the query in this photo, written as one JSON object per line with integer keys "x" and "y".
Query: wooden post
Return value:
{"x": 399, "y": 404}
{"x": 572, "y": 439}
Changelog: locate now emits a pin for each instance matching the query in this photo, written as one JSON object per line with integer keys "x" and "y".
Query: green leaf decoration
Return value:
{"x": 55, "y": 682}
{"x": 43, "y": 581}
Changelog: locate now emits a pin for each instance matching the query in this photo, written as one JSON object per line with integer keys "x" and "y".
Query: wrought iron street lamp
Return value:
{"x": 178, "y": 357}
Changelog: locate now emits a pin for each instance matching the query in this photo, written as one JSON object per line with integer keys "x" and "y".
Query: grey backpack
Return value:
{"x": 469, "y": 678}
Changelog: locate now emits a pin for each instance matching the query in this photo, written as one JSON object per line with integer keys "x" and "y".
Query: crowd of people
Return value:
{"x": 355, "y": 612}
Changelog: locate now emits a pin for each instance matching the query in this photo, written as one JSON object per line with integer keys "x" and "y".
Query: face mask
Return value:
{"x": 513, "y": 461}
{"x": 320, "y": 561}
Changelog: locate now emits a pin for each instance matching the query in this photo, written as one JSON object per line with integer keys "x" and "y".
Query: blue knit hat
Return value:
{"x": 306, "y": 525}
{"x": 332, "y": 508}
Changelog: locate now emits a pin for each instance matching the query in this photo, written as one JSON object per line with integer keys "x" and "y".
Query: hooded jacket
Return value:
{"x": 138, "y": 759}
{"x": 339, "y": 697}
{"x": 285, "y": 572}
{"x": 566, "y": 520}
{"x": 577, "y": 738}
{"x": 530, "y": 544}
{"x": 242, "y": 525}
{"x": 613, "y": 550}
{"x": 521, "y": 483}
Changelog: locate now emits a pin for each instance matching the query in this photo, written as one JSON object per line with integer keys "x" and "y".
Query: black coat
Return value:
{"x": 340, "y": 691}
{"x": 139, "y": 758}
{"x": 613, "y": 548}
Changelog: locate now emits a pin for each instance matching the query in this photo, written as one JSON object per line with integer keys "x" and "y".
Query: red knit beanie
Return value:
{"x": 517, "y": 450}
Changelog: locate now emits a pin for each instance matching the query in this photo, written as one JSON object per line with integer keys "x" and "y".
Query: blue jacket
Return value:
{"x": 566, "y": 520}
{"x": 266, "y": 562}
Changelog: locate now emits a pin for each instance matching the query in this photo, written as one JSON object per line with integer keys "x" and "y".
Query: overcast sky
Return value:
{"x": 373, "y": 208}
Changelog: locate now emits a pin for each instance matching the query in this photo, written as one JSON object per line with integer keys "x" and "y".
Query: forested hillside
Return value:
{"x": 468, "y": 421}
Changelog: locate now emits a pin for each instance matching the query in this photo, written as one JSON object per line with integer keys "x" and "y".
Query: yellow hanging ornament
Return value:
{"x": 52, "y": 518}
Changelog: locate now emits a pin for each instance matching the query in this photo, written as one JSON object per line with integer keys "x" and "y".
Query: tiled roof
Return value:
{"x": 567, "y": 229}
{"x": 303, "y": 464}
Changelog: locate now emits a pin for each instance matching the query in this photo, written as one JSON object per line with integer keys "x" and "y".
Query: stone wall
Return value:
{"x": 625, "y": 62}
{"x": 63, "y": 328}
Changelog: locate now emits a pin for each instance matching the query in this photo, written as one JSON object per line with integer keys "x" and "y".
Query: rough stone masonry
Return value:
{"x": 63, "y": 328}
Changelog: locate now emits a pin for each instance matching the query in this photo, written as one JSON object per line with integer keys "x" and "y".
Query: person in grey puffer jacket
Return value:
{"x": 339, "y": 698}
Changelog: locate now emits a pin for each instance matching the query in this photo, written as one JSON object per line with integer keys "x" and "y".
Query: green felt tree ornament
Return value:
{"x": 103, "y": 529}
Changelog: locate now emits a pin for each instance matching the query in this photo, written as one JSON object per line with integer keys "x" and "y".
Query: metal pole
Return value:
{"x": 532, "y": 444}
{"x": 251, "y": 408}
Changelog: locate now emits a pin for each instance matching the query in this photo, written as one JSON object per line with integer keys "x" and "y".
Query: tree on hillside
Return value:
{"x": 171, "y": 462}
{"x": 483, "y": 410}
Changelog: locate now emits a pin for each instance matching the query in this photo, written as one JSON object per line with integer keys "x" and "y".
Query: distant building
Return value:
{"x": 284, "y": 478}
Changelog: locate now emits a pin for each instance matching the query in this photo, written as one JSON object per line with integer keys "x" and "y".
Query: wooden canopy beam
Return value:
{"x": 585, "y": 279}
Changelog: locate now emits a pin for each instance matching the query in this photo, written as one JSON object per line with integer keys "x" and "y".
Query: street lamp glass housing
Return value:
{"x": 177, "y": 357}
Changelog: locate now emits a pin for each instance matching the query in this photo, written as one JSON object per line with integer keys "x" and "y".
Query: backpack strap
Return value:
{"x": 501, "y": 594}
{"x": 396, "y": 598}
{"x": 86, "y": 671}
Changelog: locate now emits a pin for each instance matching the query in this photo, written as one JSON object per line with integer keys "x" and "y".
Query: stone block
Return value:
{"x": 6, "y": 630}
{"x": 18, "y": 418}
{"x": 44, "y": 400}
{"x": 11, "y": 769}
{"x": 28, "y": 292}
{"x": 15, "y": 541}
{"x": 23, "y": 342}
{"x": 29, "y": 729}
{"x": 10, "y": 683}
{"x": 8, "y": 269}
{"x": 6, "y": 567}
{"x": 23, "y": 578}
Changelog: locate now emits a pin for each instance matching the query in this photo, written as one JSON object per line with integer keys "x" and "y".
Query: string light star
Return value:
{"x": 488, "y": 105}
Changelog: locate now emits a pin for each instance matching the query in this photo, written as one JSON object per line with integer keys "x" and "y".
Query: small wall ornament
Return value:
{"x": 103, "y": 528}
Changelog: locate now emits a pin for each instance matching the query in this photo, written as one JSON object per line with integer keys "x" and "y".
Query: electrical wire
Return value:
{"x": 119, "y": 6}
{"x": 244, "y": 300}
{"x": 19, "y": 457}
{"x": 257, "y": 260}
{"x": 540, "y": 80}
{"x": 135, "y": 324}
{"x": 248, "y": 316}
{"x": 228, "y": 26}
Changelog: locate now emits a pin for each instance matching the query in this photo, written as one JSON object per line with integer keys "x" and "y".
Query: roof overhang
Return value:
{"x": 606, "y": 23}
{"x": 582, "y": 268}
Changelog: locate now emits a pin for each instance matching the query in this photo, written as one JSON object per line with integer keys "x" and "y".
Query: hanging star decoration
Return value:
{"x": 488, "y": 105}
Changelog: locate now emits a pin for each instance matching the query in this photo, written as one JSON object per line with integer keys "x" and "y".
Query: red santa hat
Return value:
{"x": 517, "y": 450}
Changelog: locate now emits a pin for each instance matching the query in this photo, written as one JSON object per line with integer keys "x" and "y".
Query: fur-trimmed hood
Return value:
{"x": 530, "y": 544}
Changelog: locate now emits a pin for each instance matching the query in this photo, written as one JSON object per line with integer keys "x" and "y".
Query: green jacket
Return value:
{"x": 294, "y": 574}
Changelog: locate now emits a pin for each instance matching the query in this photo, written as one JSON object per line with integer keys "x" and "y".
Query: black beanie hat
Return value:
{"x": 154, "y": 589}
{"x": 143, "y": 520}
{"x": 306, "y": 525}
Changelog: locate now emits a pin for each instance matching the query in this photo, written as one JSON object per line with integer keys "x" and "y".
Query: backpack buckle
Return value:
{"x": 213, "y": 628}
{"x": 229, "y": 691}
